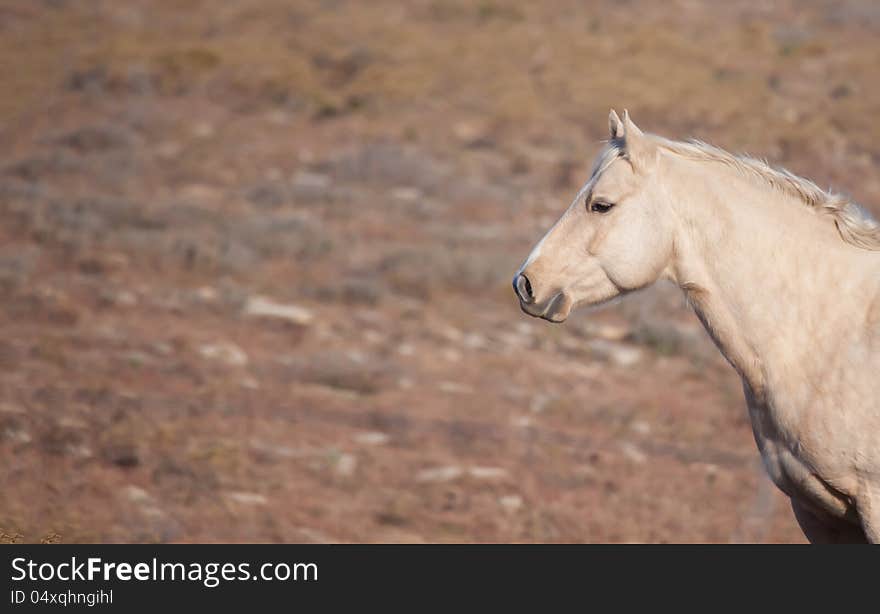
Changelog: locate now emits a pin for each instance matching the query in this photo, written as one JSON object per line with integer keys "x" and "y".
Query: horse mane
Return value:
{"x": 855, "y": 225}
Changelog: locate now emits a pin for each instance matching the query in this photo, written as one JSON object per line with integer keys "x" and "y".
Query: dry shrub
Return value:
{"x": 422, "y": 272}
{"x": 95, "y": 138}
{"x": 389, "y": 164}
{"x": 175, "y": 235}
{"x": 339, "y": 370}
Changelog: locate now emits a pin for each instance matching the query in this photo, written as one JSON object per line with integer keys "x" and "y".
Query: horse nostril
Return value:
{"x": 523, "y": 288}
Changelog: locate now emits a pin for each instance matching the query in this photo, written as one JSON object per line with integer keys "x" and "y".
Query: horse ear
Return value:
{"x": 615, "y": 126}
{"x": 639, "y": 149}
{"x": 629, "y": 127}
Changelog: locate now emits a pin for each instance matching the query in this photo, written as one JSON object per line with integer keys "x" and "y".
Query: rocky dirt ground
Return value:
{"x": 255, "y": 266}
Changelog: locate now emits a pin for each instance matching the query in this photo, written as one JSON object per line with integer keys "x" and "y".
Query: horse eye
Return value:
{"x": 600, "y": 207}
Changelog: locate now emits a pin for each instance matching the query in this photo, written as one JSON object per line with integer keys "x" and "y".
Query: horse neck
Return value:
{"x": 763, "y": 272}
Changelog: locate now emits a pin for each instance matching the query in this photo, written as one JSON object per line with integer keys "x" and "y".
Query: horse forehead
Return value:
{"x": 616, "y": 174}
{"x": 611, "y": 175}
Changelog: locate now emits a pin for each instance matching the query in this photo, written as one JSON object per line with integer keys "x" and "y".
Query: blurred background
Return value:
{"x": 256, "y": 255}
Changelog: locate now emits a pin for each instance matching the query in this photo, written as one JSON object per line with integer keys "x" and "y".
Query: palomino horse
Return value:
{"x": 784, "y": 276}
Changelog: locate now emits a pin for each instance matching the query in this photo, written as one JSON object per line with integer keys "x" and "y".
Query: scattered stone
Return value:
{"x": 572, "y": 345}
{"x": 278, "y": 117}
{"x": 372, "y": 438}
{"x": 475, "y": 341}
{"x": 207, "y": 294}
{"x": 454, "y": 388}
{"x": 451, "y": 333}
{"x": 453, "y": 472}
{"x": 406, "y": 195}
{"x": 357, "y": 357}
{"x": 610, "y": 332}
{"x": 200, "y": 193}
{"x": 159, "y": 526}
{"x": 136, "y": 494}
{"x": 521, "y": 422}
{"x": 247, "y": 498}
{"x": 513, "y": 339}
{"x": 125, "y": 298}
{"x": 710, "y": 469}
{"x": 633, "y": 453}
{"x": 473, "y": 133}
{"x": 586, "y": 372}
{"x": 791, "y": 115}
{"x": 524, "y": 328}
{"x": 261, "y": 306}
{"x": 539, "y": 402}
{"x": 584, "y": 472}
{"x": 137, "y": 359}
{"x": 315, "y": 536}
{"x": 250, "y": 383}
{"x": 282, "y": 451}
{"x": 617, "y": 353}
{"x": 225, "y": 352}
{"x": 203, "y": 130}
{"x": 487, "y": 473}
{"x": 511, "y": 503}
{"x": 165, "y": 349}
{"x": 79, "y": 451}
{"x": 373, "y": 337}
{"x": 17, "y": 435}
{"x": 72, "y": 422}
{"x": 169, "y": 149}
{"x": 452, "y": 355}
{"x": 439, "y": 474}
{"x": 406, "y": 349}
{"x": 346, "y": 465}
{"x": 641, "y": 427}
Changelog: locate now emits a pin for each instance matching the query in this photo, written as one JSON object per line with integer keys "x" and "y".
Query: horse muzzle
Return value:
{"x": 553, "y": 309}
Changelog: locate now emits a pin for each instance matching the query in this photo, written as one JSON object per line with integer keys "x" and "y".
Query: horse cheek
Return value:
{"x": 636, "y": 257}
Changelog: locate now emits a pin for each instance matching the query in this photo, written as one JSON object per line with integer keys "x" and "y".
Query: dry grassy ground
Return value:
{"x": 255, "y": 265}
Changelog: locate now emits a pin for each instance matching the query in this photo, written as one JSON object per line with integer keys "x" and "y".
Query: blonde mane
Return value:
{"x": 855, "y": 225}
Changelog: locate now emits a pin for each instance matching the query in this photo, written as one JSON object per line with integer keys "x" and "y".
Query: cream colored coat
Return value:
{"x": 784, "y": 277}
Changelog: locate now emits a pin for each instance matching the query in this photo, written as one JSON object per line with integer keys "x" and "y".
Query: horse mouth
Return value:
{"x": 555, "y": 310}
